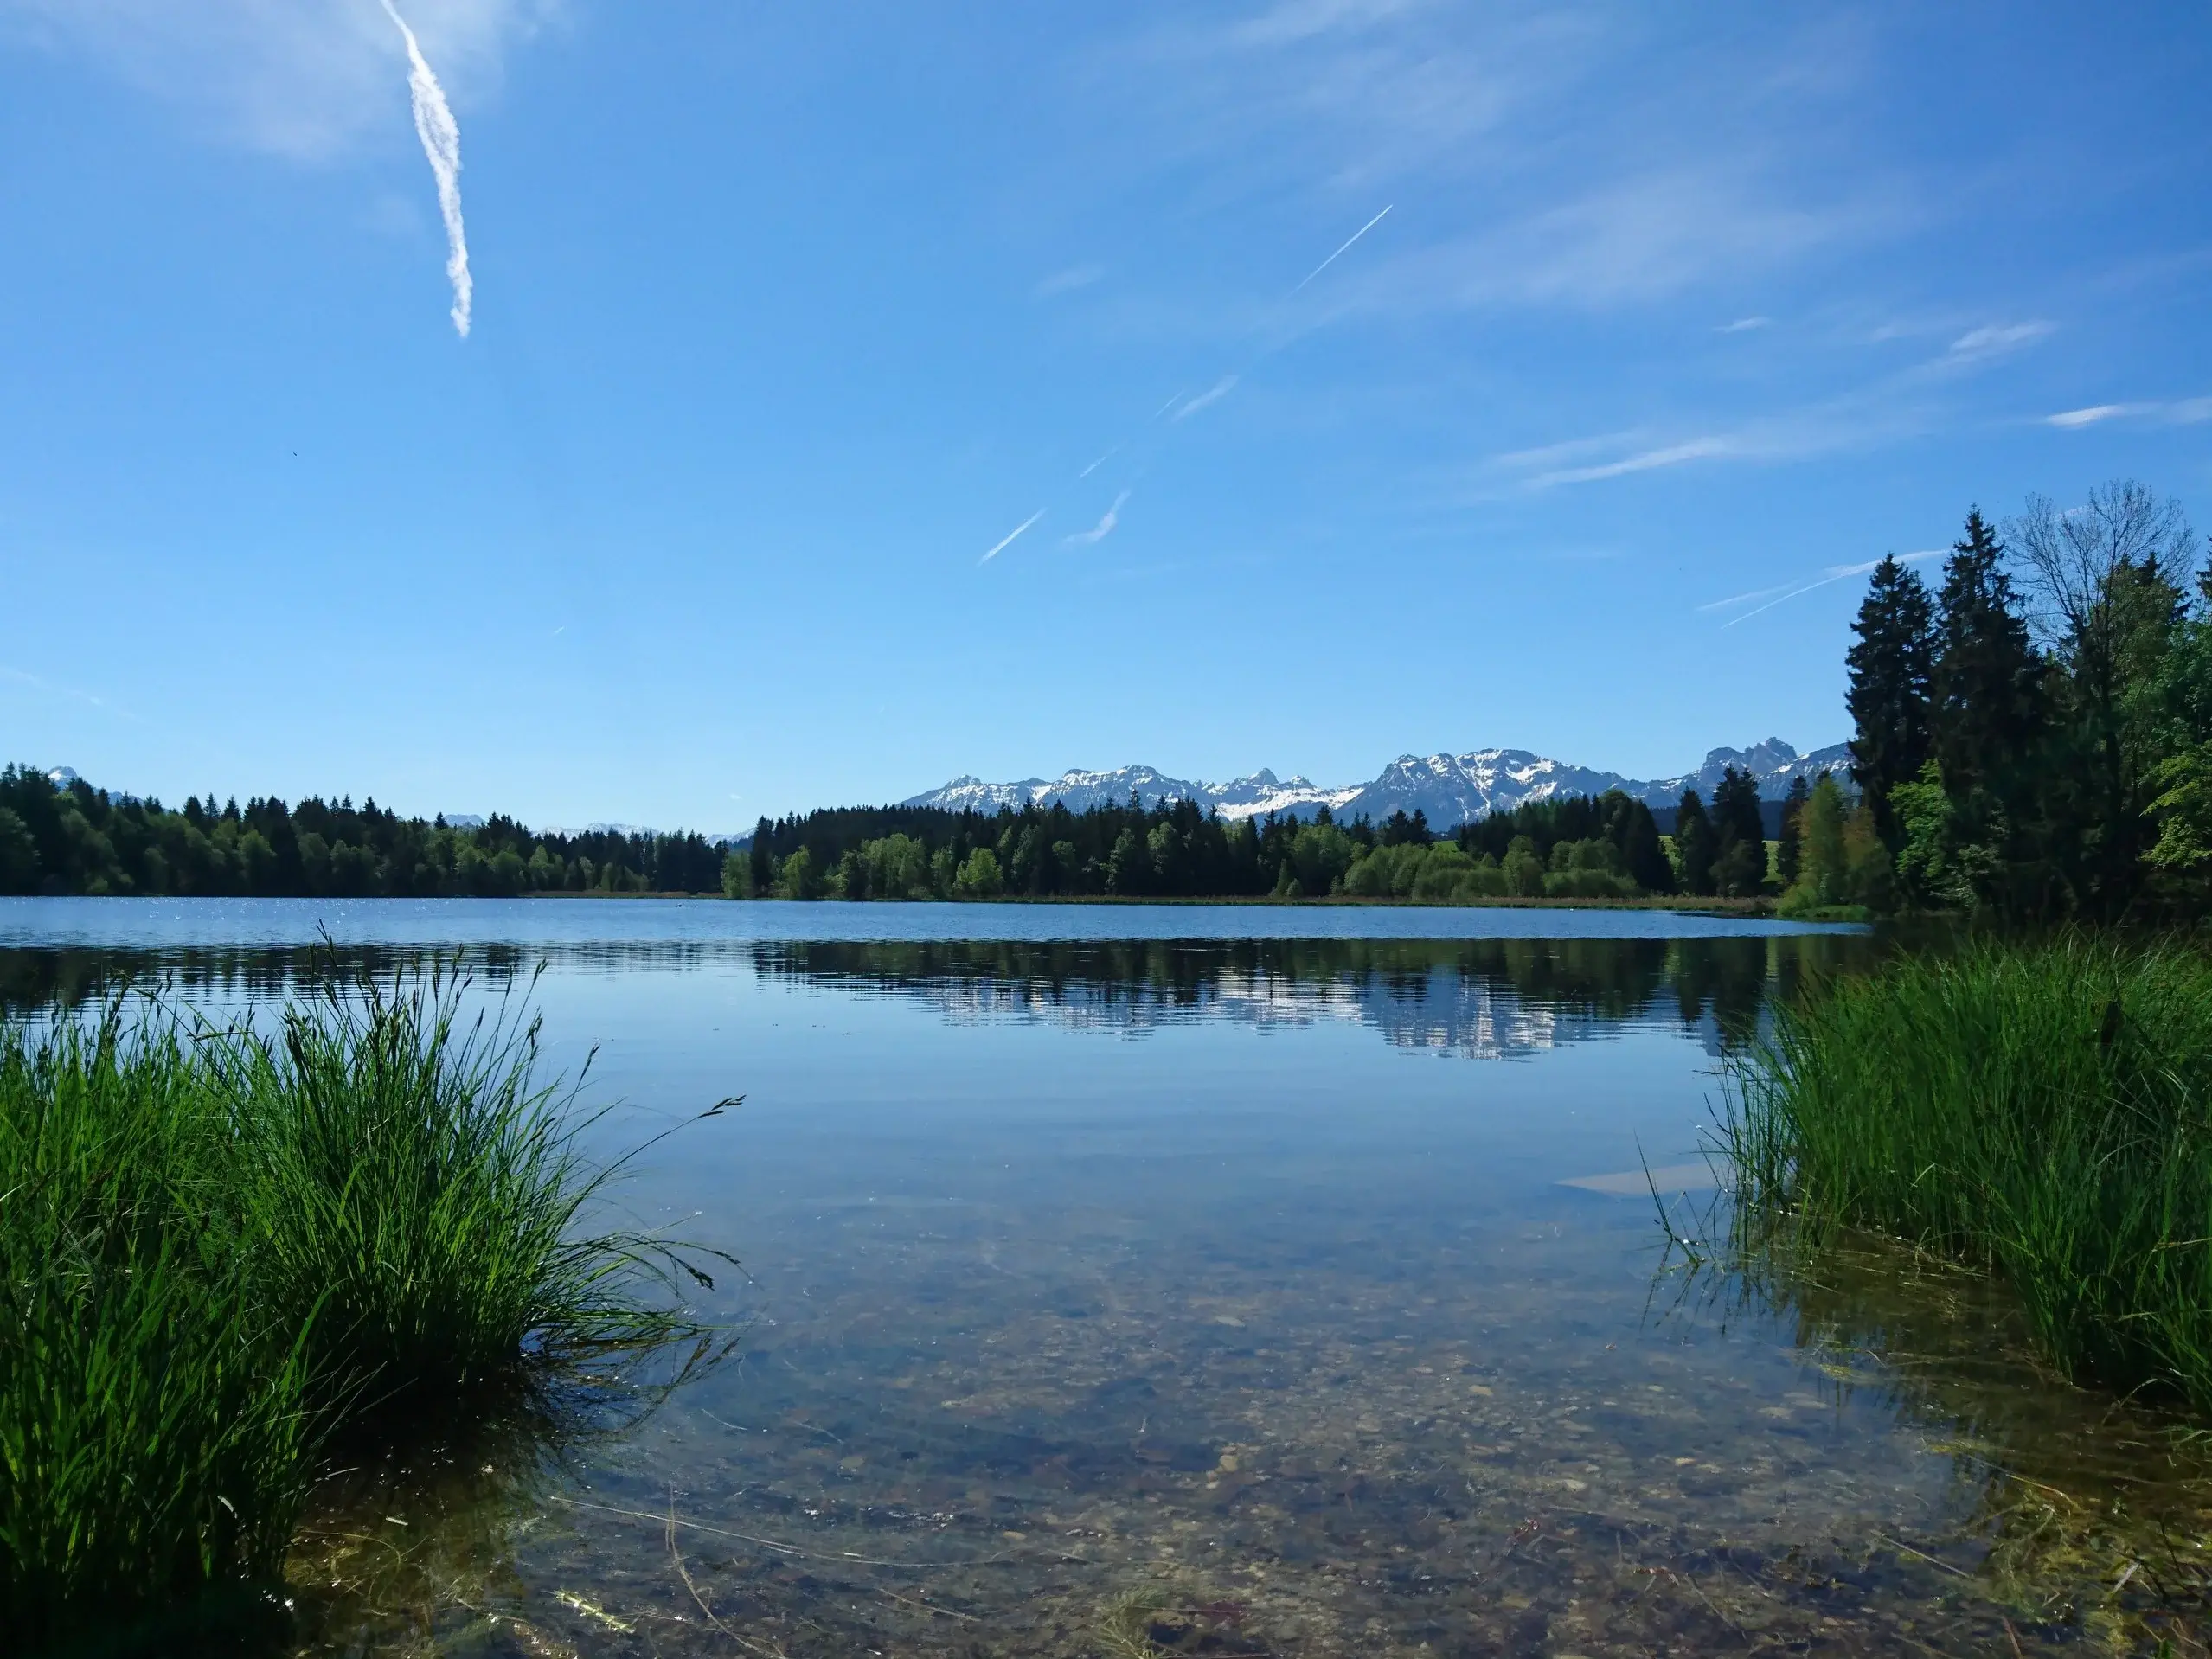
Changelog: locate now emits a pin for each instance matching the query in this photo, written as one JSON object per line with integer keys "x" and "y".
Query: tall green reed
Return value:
{"x": 409, "y": 1167}
{"x": 224, "y": 1247}
{"x": 2041, "y": 1110}
{"x": 156, "y": 1434}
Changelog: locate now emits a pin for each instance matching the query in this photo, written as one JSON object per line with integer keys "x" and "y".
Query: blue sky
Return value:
{"x": 782, "y": 317}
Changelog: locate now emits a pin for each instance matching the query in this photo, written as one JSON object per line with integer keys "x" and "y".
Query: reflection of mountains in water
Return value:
{"x": 1478, "y": 999}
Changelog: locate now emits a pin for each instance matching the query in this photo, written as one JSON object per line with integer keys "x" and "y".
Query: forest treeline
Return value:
{"x": 1608, "y": 846}
{"x": 75, "y": 838}
{"x": 2034, "y": 734}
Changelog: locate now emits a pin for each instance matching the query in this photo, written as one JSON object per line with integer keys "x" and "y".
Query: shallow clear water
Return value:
{"x": 1128, "y": 1281}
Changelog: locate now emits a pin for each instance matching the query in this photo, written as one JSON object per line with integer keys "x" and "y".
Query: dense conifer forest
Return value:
{"x": 80, "y": 839}
{"x": 2033, "y": 742}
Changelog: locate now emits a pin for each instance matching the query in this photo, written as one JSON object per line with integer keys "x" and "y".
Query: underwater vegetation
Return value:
{"x": 227, "y": 1251}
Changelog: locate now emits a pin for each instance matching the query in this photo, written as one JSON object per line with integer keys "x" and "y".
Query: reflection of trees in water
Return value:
{"x": 2066, "y": 1492}
{"x": 32, "y": 979}
{"x": 1481, "y": 998}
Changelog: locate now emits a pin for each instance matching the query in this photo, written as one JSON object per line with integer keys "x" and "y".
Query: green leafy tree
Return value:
{"x": 2106, "y": 578}
{"x": 1523, "y": 870}
{"x": 980, "y": 877}
{"x": 1824, "y": 876}
{"x": 797, "y": 877}
{"x": 1789, "y": 855}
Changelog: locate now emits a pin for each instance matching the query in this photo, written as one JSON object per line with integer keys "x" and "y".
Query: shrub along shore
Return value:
{"x": 225, "y": 1254}
{"x": 2042, "y": 1110}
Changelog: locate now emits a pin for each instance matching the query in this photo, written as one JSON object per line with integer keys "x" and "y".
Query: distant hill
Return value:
{"x": 1450, "y": 788}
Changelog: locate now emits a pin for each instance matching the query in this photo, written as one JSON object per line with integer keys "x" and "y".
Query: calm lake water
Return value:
{"x": 1124, "y": 1280}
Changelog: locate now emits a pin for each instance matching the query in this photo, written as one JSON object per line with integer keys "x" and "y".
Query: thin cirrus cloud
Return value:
{"x": 1647, "y": 460}
{"x": 1903, "y": 403}
{"x": 2180, "y": 412}
{"x": 1640, "y": 198}
{"x": 311, "y": 82}
{"x": 1744, "y": 325}
{"x": 1068, "y": 281}
{"x": 1102, "y": 529}
{"x": 1994, "y": 340}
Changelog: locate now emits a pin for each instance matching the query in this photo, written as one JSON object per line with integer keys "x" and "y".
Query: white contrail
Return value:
{"x": 1104, "y": 528}
{"x": 1220, "y": 389}
{"x": 1349, "y": 240}
{"x": 1011, "y": 536}
{"x": 441, "y": 142}
{"x": 1835, "y": 574}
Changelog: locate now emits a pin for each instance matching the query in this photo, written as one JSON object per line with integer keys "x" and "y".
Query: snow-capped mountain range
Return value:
{"x": 1450, "y": 788}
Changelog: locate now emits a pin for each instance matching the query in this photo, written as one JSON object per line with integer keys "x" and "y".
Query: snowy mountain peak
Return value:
{"x": 1450, "y": 789}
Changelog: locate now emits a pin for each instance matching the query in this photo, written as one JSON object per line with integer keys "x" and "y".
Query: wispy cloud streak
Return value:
{"x": 1995, "y": 339}
{"x": 1834, "y": 573}
{"x": 1011, "y": 537}
{"x": 1697, "y": 449}
{"x": 1102, "y": 529}
{"x": 441, "y": 142}
{"x": 1339, "y": 253}
{"x": 2184, "y": 412}
{"x": 1213, "y": 393}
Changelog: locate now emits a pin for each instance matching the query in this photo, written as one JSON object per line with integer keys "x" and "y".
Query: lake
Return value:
{"x": 1240, "y": 1280}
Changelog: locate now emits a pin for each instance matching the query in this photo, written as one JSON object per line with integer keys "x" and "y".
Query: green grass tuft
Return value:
{"x": 2043, "y": 1110}
{"x": 156, "y": 1431}
{"x": 410, "y": 1169}
{"x": 222, "y": 1249}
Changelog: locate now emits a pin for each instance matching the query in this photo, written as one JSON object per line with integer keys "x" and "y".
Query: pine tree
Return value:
{"x": 1694, "y": 849}
{"x": 1637, "y": 834}
{"x": 1890, "y": 691}
{"x": 1739, "y": 835}
{"x": 1987, "y": 679}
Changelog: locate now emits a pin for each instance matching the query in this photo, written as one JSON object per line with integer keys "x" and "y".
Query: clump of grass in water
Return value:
{"x": 2043, "y": 1110}
{"x": 218, "y": 1249}
{"x": 156, "y": 1428}
{"x": 413, "y": 1172}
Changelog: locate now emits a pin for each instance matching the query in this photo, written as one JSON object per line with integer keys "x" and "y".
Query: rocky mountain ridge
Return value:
{"x": 1449, "y": 788}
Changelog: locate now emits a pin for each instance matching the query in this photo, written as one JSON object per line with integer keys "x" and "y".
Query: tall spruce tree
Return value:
{"x": 1988, "y": 678}
{"x": 1636, "y": 834}
{"x": 1891, "y": 668}
{"x": 1739, "y": 835}
{"x": 1694, "y": 849}
{"x": 1990, "y": 713}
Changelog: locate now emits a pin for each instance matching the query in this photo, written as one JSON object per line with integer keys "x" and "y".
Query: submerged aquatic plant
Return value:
{"x": 2041, "y": 1110}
